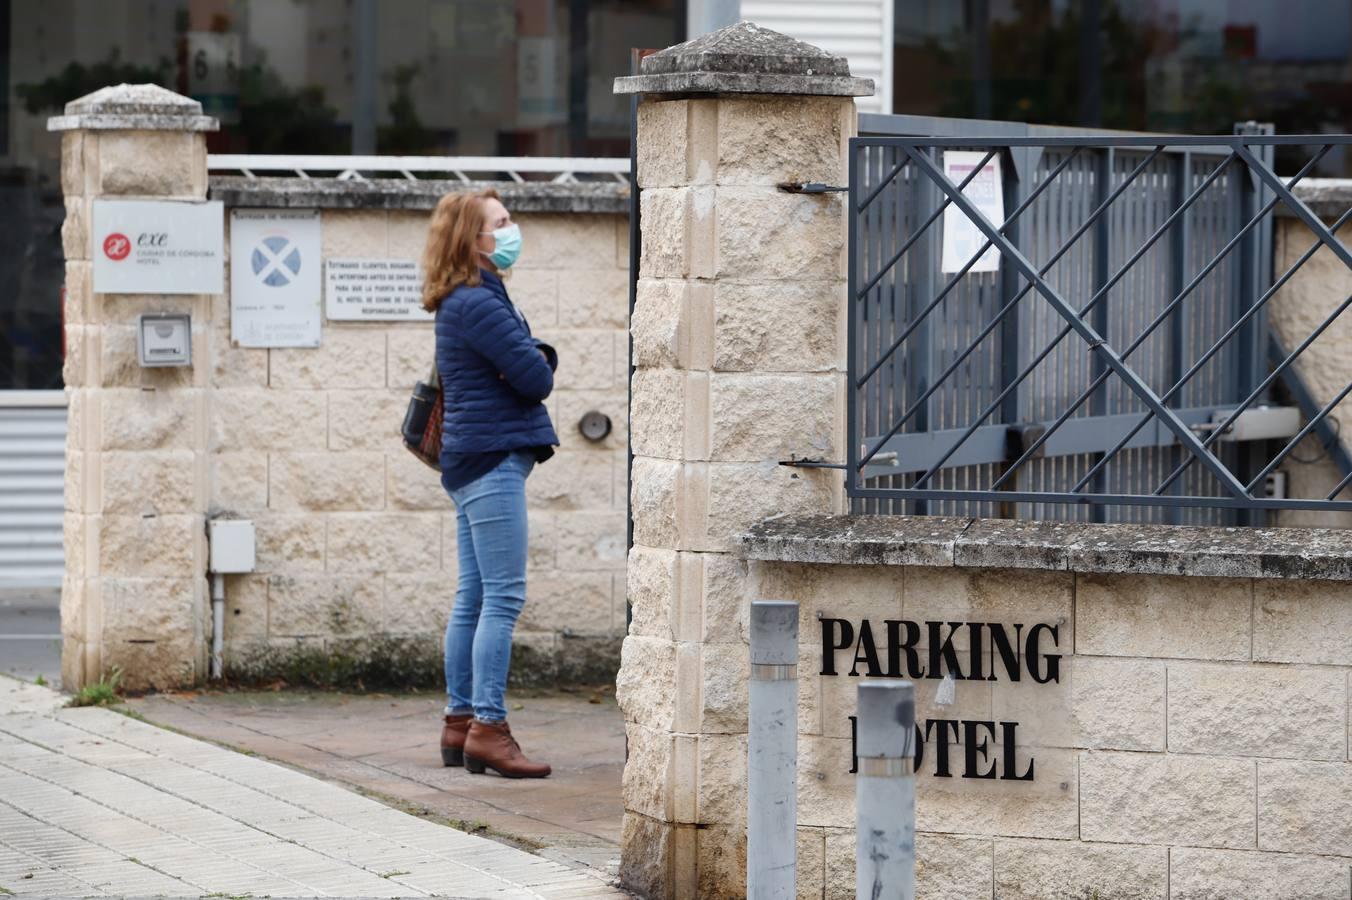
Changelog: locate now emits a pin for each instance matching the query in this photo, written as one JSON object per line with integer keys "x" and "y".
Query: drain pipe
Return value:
{"x": 217, "y": 623}
{"x": 232, "y": 552}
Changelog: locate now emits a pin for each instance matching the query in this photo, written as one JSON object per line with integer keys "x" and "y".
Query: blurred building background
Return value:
{"x": 445, "y": 77}
{"x": 532, "y": 77}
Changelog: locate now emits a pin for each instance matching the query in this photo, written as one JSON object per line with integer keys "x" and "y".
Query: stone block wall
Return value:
{"x": 134, "y": 595}
{"x": 738, "y": 349}
{"x": 1317, "y": 290}
{"x": 356, "y": 538}
{"x": 1196, "y": 742}
{"x": 1195, "y": 745}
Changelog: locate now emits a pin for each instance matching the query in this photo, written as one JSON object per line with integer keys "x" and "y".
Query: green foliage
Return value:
{"x": 370, "y": 664}
{"x": 101, "y": 693}
{"x": 274, "y": 118}
{"x": 1035, "y": 67}
{"x": 77, "y": 79}
{"x": 405, "y": 135}
{"x": 40, "y": 681}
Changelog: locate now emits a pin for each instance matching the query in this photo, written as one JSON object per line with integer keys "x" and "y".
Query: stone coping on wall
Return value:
{"x": 402, "y": 193}
{"x": 744, "y": 59}
{"x": 1297, "y": 553}
{"x": 1327, "y": 198}
{"x": 133, "y": 107}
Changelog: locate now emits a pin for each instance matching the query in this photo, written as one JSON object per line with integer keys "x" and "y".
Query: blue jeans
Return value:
{"x": 491, "y": 546}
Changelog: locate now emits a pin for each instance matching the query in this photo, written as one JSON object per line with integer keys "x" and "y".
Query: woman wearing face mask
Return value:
{"x": 494, "y": 376}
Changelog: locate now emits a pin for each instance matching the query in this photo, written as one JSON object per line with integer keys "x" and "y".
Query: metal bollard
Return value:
{"x": 884, "y": 792}
{"x": 772, "y": 753}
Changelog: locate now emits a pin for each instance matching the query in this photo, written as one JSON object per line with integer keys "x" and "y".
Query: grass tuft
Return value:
{"x": 101, "y": 693}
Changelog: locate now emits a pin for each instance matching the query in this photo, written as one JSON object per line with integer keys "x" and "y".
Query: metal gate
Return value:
{"x": 1113, "y": 368}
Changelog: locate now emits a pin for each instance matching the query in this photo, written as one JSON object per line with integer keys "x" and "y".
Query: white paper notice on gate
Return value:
{"x": 276, "y": 293}
{"x": 962, "y": 239}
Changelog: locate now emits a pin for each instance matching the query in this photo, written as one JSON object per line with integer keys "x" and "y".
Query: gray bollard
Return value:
{"x": 772, "y": 753}
{"x": 884, "y": 792}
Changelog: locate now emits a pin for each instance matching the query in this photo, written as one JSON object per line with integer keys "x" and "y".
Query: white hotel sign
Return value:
{"x": 158, "y": 247}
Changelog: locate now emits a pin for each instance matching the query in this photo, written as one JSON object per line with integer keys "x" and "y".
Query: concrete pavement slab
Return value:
{"x": 93, "y": 802}
{"x": 386, "y": 745}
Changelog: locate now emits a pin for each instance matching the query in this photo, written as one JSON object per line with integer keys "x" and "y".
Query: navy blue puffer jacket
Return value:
{"x": 481, "y": 335}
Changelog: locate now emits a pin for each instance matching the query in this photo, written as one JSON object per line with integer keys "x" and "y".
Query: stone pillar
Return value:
{"x": 134, "y": 595}
{"x": 739, "y": 346}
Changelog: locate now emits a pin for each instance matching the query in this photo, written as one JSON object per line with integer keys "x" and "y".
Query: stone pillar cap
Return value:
{"x": 133, "y": 107}
{"x": 745, "y": 59}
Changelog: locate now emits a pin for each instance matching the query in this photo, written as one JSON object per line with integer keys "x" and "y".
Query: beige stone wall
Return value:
{"x": 738, "y": 344}
{"x": 1320, "y": 286}
{"x": 1196, "y": 745}
{"x": 135, "y": 594}
{"x": 356, "y": 539}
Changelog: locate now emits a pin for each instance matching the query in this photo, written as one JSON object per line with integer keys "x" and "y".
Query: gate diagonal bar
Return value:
{"x": 1096, "y": 342}
{"x": 991, "y": 239}
{"x": 965, "y": 396}
{"x": 1154, "y": 324}
{"x": 1093, "y": 301}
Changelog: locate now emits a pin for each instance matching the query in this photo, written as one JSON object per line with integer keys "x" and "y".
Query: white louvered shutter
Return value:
{"x": 32, "y": 475}
{"x": 859, "y": 30}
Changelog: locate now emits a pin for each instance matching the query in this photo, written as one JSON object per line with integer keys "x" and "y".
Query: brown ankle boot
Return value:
{"x": 453, "y": 740}
{"x": 493, "y": 747}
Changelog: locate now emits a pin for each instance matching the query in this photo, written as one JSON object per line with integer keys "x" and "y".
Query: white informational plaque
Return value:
{"x": 374, "y": 290}
{"x": 275, "y": 288}
{"x": 962, "y": 239}
{"x": 158, "y": 247}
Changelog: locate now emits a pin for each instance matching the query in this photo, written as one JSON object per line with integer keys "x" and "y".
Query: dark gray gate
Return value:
{"x": 1113, "y": 369}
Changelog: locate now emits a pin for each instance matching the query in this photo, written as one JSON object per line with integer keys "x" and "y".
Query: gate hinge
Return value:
{"x": 809, "y": 187}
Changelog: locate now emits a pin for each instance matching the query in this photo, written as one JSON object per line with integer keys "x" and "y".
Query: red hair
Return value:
{"x": 451, "y": 257}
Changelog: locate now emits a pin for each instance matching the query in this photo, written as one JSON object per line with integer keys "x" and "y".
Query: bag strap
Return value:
{"x": 434, "y": 380}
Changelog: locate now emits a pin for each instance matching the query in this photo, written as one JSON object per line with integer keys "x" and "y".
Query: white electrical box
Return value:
{"x": 232, "y": 546}
{"x": 164, "y": 339}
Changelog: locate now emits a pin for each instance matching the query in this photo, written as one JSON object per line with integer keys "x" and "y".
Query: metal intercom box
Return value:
{"x": 164, "y": 339}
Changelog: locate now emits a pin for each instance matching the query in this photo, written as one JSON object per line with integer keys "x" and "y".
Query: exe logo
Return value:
{"x": 117, "y": 246}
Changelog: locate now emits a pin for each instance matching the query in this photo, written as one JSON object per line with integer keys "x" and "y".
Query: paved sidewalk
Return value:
{"x": 386, "y": 745}
{"x": 93, "y": 802}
